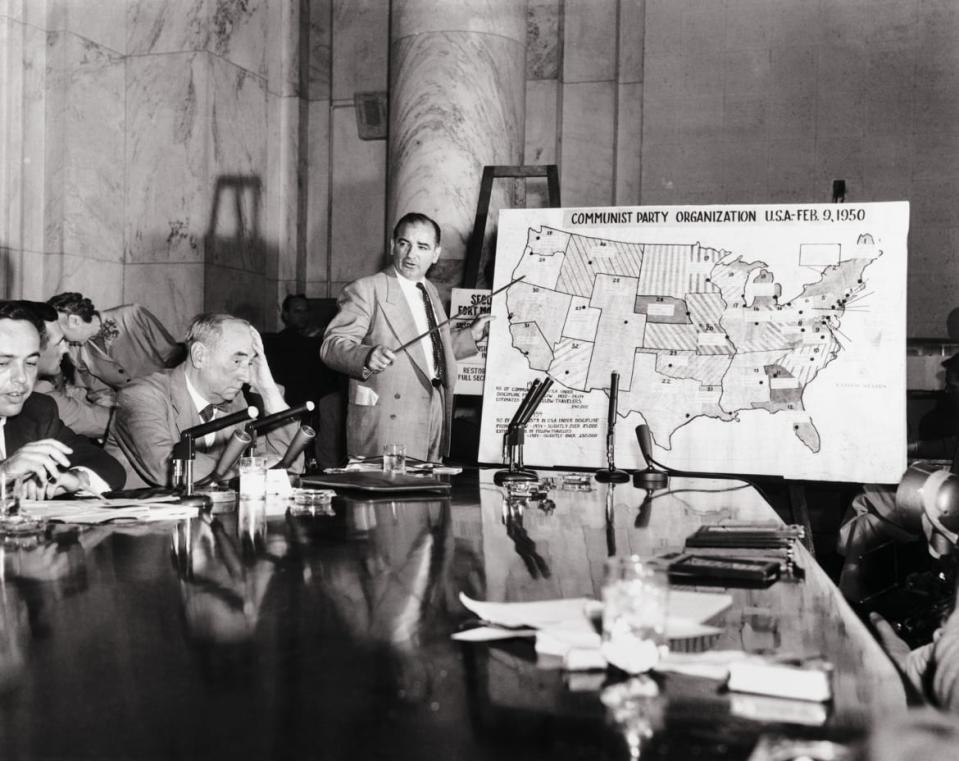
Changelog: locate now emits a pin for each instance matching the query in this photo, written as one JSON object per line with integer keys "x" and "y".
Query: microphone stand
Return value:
{"x": 515, "y": 436}
{"x": 184, "y": 451}
{"x": 611, "y": 474}
{"x": 274, "y": 419}
{"x": 649, "y": 478}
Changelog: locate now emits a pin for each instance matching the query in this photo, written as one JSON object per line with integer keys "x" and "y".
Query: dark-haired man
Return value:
{"x": 294, "y": 358}
{"x": 36, "y": 448}
{"x": 111, "y": 349}
{"x": 76, "y": 411}
{"x": 224, "y": 354}
{"x": 399, "y": 397}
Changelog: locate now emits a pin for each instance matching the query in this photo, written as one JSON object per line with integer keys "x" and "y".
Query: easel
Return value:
{"x": 474, "y": 249}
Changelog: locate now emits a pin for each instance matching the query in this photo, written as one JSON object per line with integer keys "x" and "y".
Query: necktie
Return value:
{"x": 206, "y": 414}
{"x": 439, "y": 358}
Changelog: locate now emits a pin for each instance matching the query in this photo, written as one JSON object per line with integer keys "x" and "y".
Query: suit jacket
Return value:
{"x": 82, "y": 416}
{"x": 150, "y": 415}
{"x": 392, "y": 406}
{"x": 38, "y": 419}
{"x": 132, "y": 344}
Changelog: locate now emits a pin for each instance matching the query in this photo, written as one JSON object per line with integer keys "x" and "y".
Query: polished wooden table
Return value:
{"x": 328, "y": 636}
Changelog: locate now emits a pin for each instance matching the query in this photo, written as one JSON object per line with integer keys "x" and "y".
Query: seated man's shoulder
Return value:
{"x": 39, "y": 405}
{"x": 157, "y": 384}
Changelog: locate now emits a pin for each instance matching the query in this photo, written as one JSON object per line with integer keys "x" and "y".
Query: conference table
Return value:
{"x": 267, "y": 635}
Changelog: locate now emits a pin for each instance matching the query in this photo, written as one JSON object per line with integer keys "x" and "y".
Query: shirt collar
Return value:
{"x": 198, "y": 401}
{"x": 405, "y": 282}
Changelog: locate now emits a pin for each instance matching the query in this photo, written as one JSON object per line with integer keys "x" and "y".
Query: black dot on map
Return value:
{"x": 708, "y": 280}
{"x": 756, "y": 324}
{"x": 800, "y": 311}
{"x": 625, "y": 322}
{"x": 590, "y": 261}
{"x": 810, "y": 359}
{"x": 796, "y": 427}
{"x": 567, "y": 372}
{"x": 668, "y": 365}
{"x": 802, "y": 330}
{"x": 760, "y": 383}
{"x": 687, "y": 414}
{"x": 860, "y": 280}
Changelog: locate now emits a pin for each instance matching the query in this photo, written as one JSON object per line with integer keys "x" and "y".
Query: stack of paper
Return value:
{"x": 565, "y": 628}
{"x": 102, "y": 510}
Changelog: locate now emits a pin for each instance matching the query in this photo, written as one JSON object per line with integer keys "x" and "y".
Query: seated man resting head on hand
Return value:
{"x": 36, "y": 448}
{"x": 224, "y": 353}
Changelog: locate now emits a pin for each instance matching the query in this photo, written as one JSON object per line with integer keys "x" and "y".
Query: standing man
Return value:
{"x": 224, "y": 354}
{"x": 399, "y": 397}
{"x": 113, "y": 349}
{"x": 36, "y": 448}
{"x": 294, "y": 357}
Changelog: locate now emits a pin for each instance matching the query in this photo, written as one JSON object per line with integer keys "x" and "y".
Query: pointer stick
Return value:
{"x": 450, "y": 319}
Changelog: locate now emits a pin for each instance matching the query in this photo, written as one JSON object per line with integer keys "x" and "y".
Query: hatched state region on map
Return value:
{"x": 693, "y": 331}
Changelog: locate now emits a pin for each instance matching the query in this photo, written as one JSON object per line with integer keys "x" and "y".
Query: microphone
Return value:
{"x": 535, "y": 399}
{"x": 521, "y": 409}
{"x": 277, "y": 417}
{"x": 239, "y": 441}
{"x": 301, "y": 440}
{"x": 612, "y": 475}
{"x": 649, "y": 478}
{"x": 514, "y": 437}
{"x": 184, "y": 450}
{"x": 220, "y": 422}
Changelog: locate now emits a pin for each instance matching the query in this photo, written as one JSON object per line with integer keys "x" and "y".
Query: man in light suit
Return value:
{"x": 112, "y": 349}
{"x": 399, "y": 397}
{"x": 224, "y": 353}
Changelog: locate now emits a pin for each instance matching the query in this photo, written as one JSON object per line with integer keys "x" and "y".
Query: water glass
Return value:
{"x": 394, "y": 458}
{"x": 252, "y": 478}
{"x": 635, "y": 598}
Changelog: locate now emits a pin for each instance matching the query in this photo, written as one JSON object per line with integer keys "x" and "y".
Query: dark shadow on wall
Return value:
{"x": 235, "y": 253}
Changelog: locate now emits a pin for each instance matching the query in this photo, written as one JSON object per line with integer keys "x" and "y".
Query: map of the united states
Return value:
{"x": 693, "y": 331}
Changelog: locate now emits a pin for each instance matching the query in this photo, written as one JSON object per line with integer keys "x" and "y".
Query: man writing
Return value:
{"x": 399, "y": 396}
{"x": 36, "y": 448}
{"x": 223, "y": 354}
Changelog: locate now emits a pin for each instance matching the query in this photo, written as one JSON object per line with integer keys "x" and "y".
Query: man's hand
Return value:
{"x": 479, "y": 328}
{"x": 66, "y": 482}
{"x": 380, "y": 358}
{"x": 260, "y": 376}
{"x": 42, "y": 459}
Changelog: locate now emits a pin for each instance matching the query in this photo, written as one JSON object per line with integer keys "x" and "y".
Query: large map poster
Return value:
{"x": 764, "y": 339}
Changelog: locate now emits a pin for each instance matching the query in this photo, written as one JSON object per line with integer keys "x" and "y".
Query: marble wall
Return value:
{"x": 123, "y": 122}
{"x": 151, "y": 153}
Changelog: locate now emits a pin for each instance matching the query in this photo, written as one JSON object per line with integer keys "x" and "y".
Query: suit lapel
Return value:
{"x": 397, "y": 312}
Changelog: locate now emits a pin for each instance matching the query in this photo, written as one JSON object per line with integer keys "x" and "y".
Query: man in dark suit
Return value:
{"x": 399, "y": 397}
{"x": 36, "y": 448}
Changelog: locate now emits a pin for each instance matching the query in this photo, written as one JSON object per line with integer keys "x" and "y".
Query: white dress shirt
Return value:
{"x": 414, "y": 298}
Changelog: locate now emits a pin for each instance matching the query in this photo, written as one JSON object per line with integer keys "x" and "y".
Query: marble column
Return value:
{"x": 457, "y": 103}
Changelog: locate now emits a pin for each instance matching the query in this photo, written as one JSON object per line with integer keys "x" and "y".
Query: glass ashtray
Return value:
{"x": 312, "y": 502}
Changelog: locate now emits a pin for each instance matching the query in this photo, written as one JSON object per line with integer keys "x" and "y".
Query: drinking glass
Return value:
{"x": 13, "y": 522}
{"x": 635, "y": 598}
{"x": 252, "y": 478}
{"x": 394, "y": 458}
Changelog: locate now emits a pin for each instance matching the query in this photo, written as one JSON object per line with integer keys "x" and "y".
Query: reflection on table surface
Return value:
{"x": 328, "y": 636}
